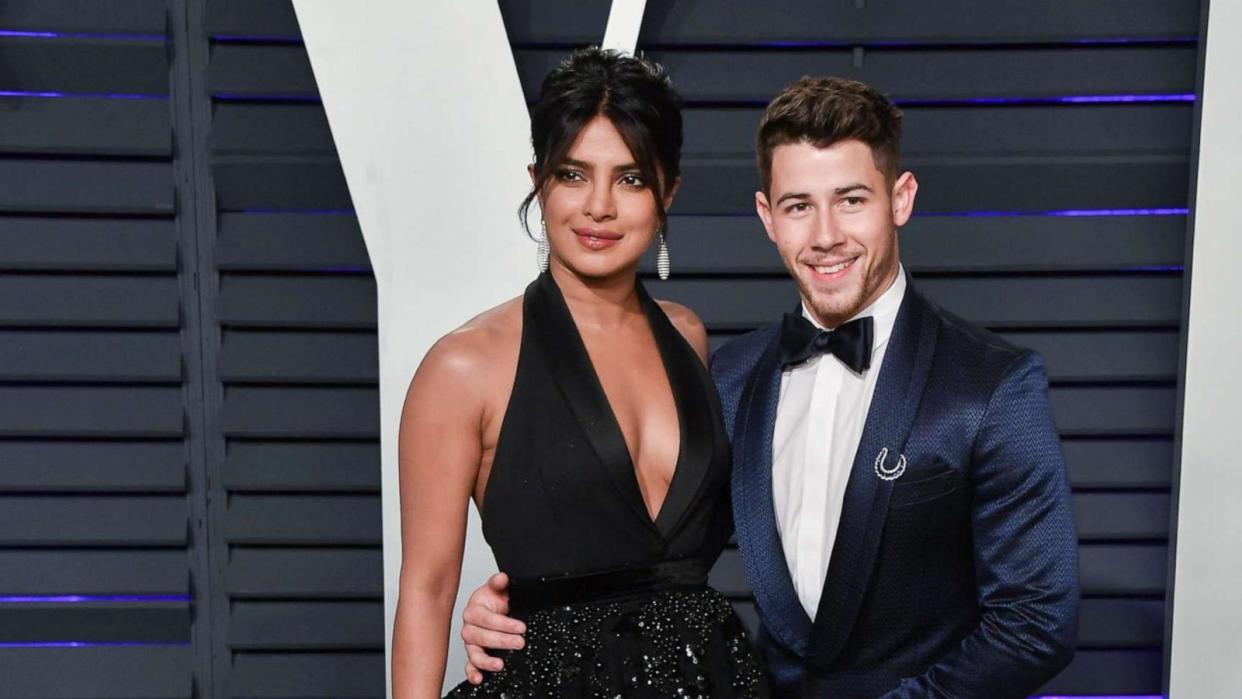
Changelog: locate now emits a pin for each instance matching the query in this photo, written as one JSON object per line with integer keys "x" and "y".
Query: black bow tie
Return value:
{"x": 851, "y": 342}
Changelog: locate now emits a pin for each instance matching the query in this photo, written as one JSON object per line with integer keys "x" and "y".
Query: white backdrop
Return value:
{"x": 1207, "y": 582}
{"x": 433, "y": 134}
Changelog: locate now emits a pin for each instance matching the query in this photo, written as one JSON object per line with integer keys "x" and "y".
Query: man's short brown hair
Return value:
{"x": 824, "y": 111}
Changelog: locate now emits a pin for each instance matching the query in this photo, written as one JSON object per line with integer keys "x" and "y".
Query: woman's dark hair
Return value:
{"x": 633, "y": 93}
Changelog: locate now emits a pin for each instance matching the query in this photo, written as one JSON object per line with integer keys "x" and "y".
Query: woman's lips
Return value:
{"x": 596, "y": 239}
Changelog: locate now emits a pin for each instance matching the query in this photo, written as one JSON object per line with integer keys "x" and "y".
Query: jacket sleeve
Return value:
{"x": 1026, "y": 552}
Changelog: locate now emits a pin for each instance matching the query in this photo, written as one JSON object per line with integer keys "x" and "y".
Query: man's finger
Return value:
{"x": 478, "y": 636}
{"x": 492, "y": 620}
{"x": 473, "y": 676}
{"x": 499, "y": 582}
{"x": 480, "y": 660}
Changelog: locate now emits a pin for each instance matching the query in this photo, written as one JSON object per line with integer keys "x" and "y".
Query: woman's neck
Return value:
{"x": 600, "y": 303}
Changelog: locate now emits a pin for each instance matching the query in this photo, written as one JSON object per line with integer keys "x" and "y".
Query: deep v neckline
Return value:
{"x": 580, "y": 383}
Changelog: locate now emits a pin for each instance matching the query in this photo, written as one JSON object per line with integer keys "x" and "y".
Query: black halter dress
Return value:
{"x": 615, "y": 603}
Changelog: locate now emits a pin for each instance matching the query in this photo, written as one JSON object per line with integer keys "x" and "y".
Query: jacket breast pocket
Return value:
{"x": 906, "y": 493}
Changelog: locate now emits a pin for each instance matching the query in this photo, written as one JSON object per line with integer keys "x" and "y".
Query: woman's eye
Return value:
{"x": 568, "y": 175}
{"x": 631, "y": 180}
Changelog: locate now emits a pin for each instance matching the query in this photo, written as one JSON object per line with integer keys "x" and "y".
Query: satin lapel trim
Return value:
{"x": 575, "y": 376}
{"x": 754, "y": 510}
{"x": 696, "y": 413}
{"x": 893, "y": 407}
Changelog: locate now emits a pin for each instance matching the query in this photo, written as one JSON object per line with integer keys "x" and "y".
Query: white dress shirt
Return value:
{"x": 819, "y": 422}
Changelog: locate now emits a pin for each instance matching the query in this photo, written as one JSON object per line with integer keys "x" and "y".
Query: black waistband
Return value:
{"x": 619, "y": 583}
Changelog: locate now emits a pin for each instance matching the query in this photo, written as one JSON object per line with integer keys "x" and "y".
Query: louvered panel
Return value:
{"x": 85, "y": 66}
{"x": 89, "y": 16}
{"x": 306, "y": 413}
{"x": 72, "y": 187}
{"x": 143, "y": 672}
{"x": 93, "y": 356}
{"x": 1119, "y": 463}
{"x": 92, "y": 466}
{"x": 1108, "y": 672}
{"x": 819, "y": 22}
{"x": 299, "y": 357}
{"x": 312, "y": 675}
{"x": 906, "y": 74}
{"x": 737, "y": 244}
{"x": 249, "y": 70}
{"x": 307, "y": 625}
{"x": 111, "y": 521}
{"x": 983, "y": 184}
{"x": 86, "y": 127}
{"x": 335, "y": 301}
{"x": 1121, "y": 516}
{"x": 287, "y": 183}
{"x": 88, "y": 301}
{"x": 306, "y": 573}
{"x": 59, "y": 244}
{"x": 1062, "y": 129}
{"x": 302, "y": 467}
{"x": 1135, "y": 300}
{"x": 1123, "y": 569}
{"x": 318, "y": 520}
{"x": 271, "y": 129}
{"x": 1113, "y": 410}
{"x": 1149, "y": 355}
{"x": 274, "y": 18}
{"x": 290, "y": 242}
{"x": 70, "y": 411}
{"x": 25, "y": 571}
{"x": 96, "y": 622}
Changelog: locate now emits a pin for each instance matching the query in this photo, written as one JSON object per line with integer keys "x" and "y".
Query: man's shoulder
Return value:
{"x": 742, "y": 352}
{"x": 972, "y": 347}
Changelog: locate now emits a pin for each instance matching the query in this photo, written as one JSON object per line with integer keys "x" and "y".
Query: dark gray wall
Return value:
{"x": 188, "y": 404}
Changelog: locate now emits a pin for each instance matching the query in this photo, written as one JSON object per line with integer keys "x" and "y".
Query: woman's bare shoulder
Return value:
{"x": 689, "y": 325}
{"x": 470, "y": 352}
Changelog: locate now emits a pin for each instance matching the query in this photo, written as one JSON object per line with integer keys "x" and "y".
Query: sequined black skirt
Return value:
{"x": 681, "y": 642}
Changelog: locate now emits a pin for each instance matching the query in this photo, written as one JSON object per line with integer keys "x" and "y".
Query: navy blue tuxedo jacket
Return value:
{"x": 959, "y": 578}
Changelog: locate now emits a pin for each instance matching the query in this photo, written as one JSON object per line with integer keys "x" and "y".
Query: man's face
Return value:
{"x": 834, "y": 220}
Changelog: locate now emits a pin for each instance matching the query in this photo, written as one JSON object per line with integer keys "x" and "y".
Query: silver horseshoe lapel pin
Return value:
{"x": 889, "y": 474}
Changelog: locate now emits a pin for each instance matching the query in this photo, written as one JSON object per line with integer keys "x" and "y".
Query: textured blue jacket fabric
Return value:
{"x": 958, "y": 578}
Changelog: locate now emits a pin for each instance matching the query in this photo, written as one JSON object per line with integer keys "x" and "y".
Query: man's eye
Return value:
{"x": 854, "y": 201}
{"x": 799, "y": 207}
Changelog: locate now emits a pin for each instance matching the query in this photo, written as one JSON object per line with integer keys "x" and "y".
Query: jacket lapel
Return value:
{"x": 754, "y": 511}
{"x": 893, "y": 407}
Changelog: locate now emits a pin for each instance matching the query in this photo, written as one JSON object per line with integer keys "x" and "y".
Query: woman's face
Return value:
{"x": 599, "y": 213}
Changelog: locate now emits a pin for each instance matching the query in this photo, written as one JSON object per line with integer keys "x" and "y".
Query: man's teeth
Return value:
{"x": 833, "y": 269}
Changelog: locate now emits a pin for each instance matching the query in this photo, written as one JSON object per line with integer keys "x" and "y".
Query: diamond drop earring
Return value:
{"x": 542, "y": 250}
{"x": 662, "y": 267}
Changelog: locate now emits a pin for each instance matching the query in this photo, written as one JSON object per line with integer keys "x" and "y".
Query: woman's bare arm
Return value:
{"x": 439, "y": 450}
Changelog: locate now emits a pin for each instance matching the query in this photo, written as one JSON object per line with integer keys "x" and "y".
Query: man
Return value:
{"x": 899, "y": 491}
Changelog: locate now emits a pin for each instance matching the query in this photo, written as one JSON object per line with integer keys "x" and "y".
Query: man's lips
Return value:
{"x": 831, "y": 270}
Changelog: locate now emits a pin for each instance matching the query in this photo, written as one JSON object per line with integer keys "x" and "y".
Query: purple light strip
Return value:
{"x": 76, "y": 599}
{"x": 1103, "y": 696}
{"x": 91, "y": 644}
{"x": 1054, "y": 99}
{"x": 83, "y": 95}
{"x": 1068, "y": 212}
{"x": 981, "y": 43}
{"x": 243, "y": 97}
{"x": 275, "y": 210}
{"x": 20, "y": 34}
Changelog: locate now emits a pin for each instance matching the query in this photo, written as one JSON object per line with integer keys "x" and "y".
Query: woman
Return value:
{"x": 583, "y": 422}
